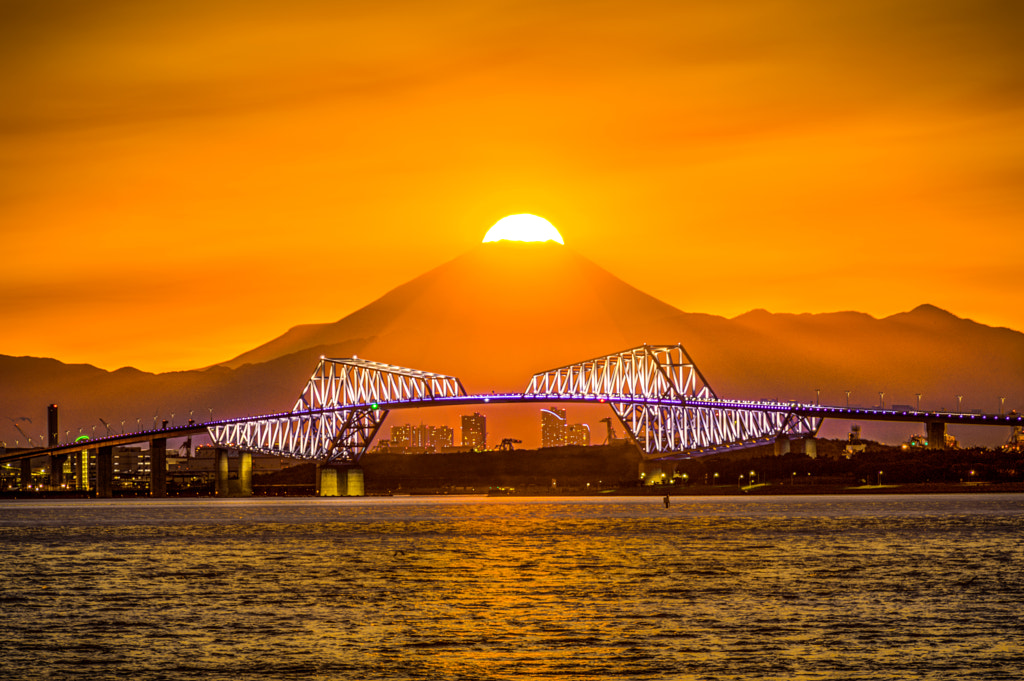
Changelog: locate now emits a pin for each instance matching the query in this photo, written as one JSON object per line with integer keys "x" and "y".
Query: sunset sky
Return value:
{"x": 181, "y": 182}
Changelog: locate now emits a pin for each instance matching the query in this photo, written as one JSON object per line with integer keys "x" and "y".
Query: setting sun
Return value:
{"x": 523, "y": 227}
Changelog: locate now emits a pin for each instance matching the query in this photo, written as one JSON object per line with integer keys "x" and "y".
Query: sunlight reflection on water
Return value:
{"x": 478, "y": 588}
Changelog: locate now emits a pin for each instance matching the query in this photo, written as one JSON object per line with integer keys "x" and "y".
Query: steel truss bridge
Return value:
{"x": 662, "y": 400}
{"x": 656, "y": 391}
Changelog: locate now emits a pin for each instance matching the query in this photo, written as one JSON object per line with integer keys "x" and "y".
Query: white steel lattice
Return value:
{"x": 338, "y": 414}
{"x": 665, "y": 404}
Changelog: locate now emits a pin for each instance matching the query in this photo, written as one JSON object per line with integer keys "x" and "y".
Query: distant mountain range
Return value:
{"x": 503, "y": 311}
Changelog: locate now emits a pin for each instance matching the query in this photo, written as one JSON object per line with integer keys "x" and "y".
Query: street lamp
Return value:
{"x": 1002, "y": 400}
{"x": 848, "y": 398}
{"x": 918, "y": 401}
{"x": 716, "y": 479}
{"x": 739, "y": 481}
{"x": 881, "y": 400}
{"x": 879, "y": 478}
{"x": 817, "y": 396}
{"x": 752, "y": 478}
{"x": 960, "y": 404}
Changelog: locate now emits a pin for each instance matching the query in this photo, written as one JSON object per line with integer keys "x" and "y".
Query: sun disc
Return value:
{"x": 523, "y": 227}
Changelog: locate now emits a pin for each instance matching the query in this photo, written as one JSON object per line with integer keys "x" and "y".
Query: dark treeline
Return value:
{"x": 897, "y": 466}
{"x": 595, "y": 468}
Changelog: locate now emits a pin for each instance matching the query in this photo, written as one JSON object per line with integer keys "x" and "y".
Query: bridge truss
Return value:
{"x": 340, "y": 411}
{"x": 657, "y": 392}
{"x": 665, "y": 403}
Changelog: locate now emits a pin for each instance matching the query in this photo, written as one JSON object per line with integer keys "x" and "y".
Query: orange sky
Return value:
{"x": 180, "y": 182}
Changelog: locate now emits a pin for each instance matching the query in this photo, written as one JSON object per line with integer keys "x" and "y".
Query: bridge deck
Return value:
{"x": 799, "y": 409}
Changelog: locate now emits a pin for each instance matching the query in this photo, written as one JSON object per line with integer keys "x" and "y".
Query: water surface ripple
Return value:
{"x": 881, "y": 587}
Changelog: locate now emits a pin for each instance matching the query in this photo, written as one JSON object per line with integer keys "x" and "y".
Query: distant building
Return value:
{"x": 578, "y": 435}
{"x": 400, "y": 437}
{"x": 474, "y": 431}
{"x": 556, "y": 431}
{"x": 552, "y": 427}
{"x": 441, "y": 437}
{"x": 417, "y": 439}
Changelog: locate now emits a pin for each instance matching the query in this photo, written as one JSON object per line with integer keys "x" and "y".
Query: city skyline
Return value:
{"x": 802, "y": 158}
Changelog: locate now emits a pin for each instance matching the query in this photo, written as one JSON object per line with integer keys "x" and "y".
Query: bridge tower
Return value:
{"x": 337, "y": 415}
{"x": 665, "y": 403}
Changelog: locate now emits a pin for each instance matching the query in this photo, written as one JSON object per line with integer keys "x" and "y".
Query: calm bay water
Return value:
{"x": 880, "y": 587}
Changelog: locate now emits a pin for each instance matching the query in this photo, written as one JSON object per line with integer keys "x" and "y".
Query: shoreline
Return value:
{"x": 649, "y": 491}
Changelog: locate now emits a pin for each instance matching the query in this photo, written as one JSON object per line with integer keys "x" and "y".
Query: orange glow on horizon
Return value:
{"x": 182, "y": 182}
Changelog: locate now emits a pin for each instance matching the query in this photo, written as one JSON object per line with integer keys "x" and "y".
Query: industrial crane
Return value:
{"x": 506, "y": 444}
{"x": 611, "y": 430}
{"x": 30, "y": 443}
{"x": 611, "y": 439}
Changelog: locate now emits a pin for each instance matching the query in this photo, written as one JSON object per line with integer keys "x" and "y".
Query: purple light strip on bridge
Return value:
{"x": 798, "y": 409}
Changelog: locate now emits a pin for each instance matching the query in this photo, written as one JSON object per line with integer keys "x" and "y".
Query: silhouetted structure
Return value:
{"x": 474, "y": 431}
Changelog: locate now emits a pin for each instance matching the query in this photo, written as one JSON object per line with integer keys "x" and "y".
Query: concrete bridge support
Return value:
{"x": 225, "y": 486}
{"x": 356, "y": 487}
{"x": 105, "y": 472}
{"x": 57, "y": 470}
{"x": 158, "y": 467}
{"x": 781, "y": 445}
{"x": 341, "y": 482}
{"x": 26, "y": 473}
{"x": 811, "y": 447}
{"x": 936, "y": 434}
{"x": 245, "y": 474}
{"x": 329, "y": 483}
{"x": 221, "y": 472}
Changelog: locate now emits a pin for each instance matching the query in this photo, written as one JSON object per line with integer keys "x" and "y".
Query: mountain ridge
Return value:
{"x": 498, "y": 314}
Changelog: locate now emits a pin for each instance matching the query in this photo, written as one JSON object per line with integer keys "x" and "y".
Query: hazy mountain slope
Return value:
{"x": 501, "y": 312}
{"x": 494, "y": 315}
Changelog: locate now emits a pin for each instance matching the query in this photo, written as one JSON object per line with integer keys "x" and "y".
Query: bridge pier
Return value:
{"x": 355, "y": 482}
{"x": 245, "y": 474}
{"x": 221, "y": 472}
{"x": 936, "y": 434}
{"x": 105, "y": 472}
{"x": 224, "y": 485}
{"x": 26, "y": 472}
{"x": 781, "y": 445}
{"x": 340, "y": 482}
{"x": 328, "y": 486}
{"x": 158, "y": 467}
{"x": 811, "y": 447}
{"x": 57, "y": 470}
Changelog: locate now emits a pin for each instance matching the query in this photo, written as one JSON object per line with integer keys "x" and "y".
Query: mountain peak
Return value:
{"x": 925, "y": 313}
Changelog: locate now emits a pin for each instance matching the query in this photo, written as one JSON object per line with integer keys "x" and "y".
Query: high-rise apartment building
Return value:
{"x": 441, "y": 437}
{"x": 556, "y": 431}
{"x": 400, "y": 436}
{"x": 577, "y": 434}
{"x": 474, "y": 431}
{"x": 552, "y": 427}
{"x": 421, "y": 438}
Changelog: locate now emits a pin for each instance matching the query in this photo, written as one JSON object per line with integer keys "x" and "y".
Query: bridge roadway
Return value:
{"x": 796, "y": 408}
